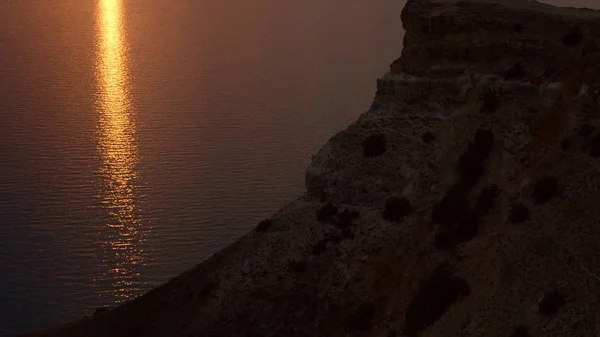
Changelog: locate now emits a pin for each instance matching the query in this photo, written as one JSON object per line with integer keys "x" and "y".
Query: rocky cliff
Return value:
{"x": 463, "y": 203}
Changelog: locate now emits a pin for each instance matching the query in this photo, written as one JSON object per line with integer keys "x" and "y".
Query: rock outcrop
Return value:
{"x": 463, "y": 203}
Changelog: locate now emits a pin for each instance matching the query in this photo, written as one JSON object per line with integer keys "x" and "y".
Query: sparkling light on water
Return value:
{"x": 117, "y": 145}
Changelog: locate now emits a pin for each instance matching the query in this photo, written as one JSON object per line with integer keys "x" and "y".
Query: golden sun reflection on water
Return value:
{"x": 117, "y": 145}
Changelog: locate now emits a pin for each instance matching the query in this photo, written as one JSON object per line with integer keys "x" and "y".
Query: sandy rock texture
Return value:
{"x": 463, "y": 203}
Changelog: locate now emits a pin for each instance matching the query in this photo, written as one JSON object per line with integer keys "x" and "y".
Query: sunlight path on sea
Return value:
{"x": 118, "y": 149}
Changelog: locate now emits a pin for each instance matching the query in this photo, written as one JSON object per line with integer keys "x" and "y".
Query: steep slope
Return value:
{"x": 463, "y": 203}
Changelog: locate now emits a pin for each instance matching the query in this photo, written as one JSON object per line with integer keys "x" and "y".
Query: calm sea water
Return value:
{"x": 138, "y": 137}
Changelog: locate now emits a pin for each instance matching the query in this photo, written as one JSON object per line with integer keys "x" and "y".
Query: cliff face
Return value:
{"x": 463, "y": 203}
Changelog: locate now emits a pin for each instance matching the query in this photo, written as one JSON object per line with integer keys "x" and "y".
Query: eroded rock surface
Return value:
{"x": 463, "y": 203}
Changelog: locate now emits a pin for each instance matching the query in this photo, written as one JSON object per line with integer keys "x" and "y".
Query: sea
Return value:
{"x": 138, "y": 137}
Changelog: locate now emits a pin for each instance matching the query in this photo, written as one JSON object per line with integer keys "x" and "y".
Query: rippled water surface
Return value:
{"x": 137, "y": 137}
{"x": 140, "y": 136}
